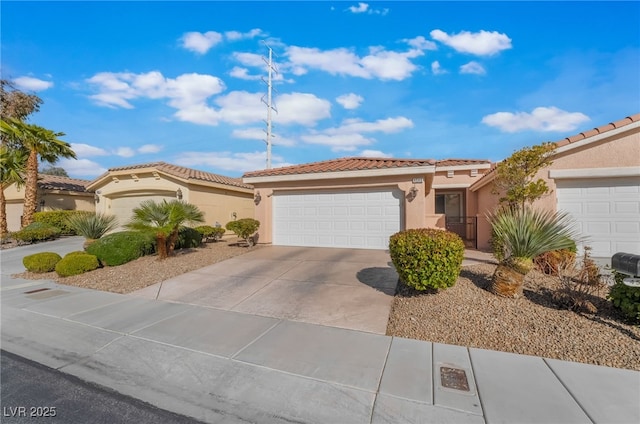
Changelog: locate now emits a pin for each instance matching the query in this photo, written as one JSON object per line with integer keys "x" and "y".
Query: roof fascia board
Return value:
{"x": 597, "y": 137}
{"x": 627, "y": 171}
{"x": 363, "y": 173}
{"x": 463, "y": 167}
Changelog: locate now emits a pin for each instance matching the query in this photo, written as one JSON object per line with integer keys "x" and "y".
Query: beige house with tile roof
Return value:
{"x": 359, "y": 202}
{"x": 220, "y": 198}
{"x": 54, "y": 193}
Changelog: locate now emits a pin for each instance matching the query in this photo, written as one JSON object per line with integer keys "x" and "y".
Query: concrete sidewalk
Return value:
{"x": 230, "y": 367}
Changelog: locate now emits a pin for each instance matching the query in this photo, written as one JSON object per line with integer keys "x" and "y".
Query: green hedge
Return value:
{"x": 625, "y": 298}
{"x": 122, "y": 247}
{"x": 188, "y": 238}
{"x": 210, "y": 233}
{"x": 35, "y": 232}
{"x": 427, "y": 258}
{"x": 76, "y": 263}
{"x": 59, "y": 219}
{"x": 41, "y": 262}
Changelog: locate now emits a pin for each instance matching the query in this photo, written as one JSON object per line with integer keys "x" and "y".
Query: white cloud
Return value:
{"x": 200, "y": 42}
{"x": 349, "y": 136}
{"x": 544, "y": 119}
{"x": 188, "y": 92}
{"x": 229, "y": 161}
{"x": 301, "y": 108}
{"x": 379, "y": 63}
{"x": 32, "y": 84}
{"x": 85, "y": 150}
{"x": 421, "y": 43}
{"x": 364, "y": 8}
{"x": 249, "y": 59}
{"x": 237, "y": 35}
{"x": 149, "y": 148}
{"x": 125, "y": 152}
{"x": 261, "y": 134}
{"x": 243, "y": 73}
{"x": 81, "y": 167}
{"x": 350, "y": 101}
{"x": 437, "y": 69}
{"x": 483, "y": 43}
{"x": 472, "y": 68}
{"x": 374, "y": 154}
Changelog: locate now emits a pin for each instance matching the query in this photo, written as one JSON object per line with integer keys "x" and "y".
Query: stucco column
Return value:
{"x": 263, "y": 213}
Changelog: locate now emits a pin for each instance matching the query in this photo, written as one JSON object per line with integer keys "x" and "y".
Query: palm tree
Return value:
{"x": 39, "y": 142}
{"x": 12, "y": 166}
{"x": 524, "y": 234}
{"x": 164, "y": 220}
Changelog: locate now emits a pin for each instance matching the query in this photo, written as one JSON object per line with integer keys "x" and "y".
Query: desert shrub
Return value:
{"x": 579, "y": 283}
{"x": 244, "y": 228}
{"x": 35, "y": 232}
{"x": 59, "y": 219}
{"x": 76, "y": 263}
{"x": 550, "y": 262}
{"x": 625, "y": 298}
{"x": 92, "y": 226}
{"x": 122, "y": 247}
{"x": 427, "y": 258}
{"x": 210, "y": 233}
{"x": 76, "y": 252}
{"x": 41, "y": 262}
{"x": 188, "y": 237}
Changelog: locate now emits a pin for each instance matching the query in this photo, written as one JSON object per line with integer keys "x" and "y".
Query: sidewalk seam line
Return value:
{"x": 567, "y": 389}
{"x": 377, "y": 391}
{"x": 256, "y": 339}
{"x": 475, "y": 380}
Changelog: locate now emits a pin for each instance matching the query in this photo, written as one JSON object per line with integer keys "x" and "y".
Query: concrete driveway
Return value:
{"x": 346, "y": 288}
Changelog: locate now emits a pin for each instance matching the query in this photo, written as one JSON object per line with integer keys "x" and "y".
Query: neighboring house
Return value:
{"x": 54, "y": 193}
{"x": 359, "y": 202}
{"x": 221, "y": 199}
{"x": 595, "y": 177}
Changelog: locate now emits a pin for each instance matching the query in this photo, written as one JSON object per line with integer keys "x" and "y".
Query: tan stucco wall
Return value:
{"x": 414, "y": 209}
{"x": 53, "y": 200}
{"x": 622, "y": 150}
{"x": 217, "y": 202}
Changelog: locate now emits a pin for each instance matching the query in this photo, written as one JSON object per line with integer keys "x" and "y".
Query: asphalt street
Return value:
{"x": 34, "y": 393}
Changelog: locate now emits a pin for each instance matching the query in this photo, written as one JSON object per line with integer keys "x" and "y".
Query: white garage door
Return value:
{"x": 352, "y": 219}
{"x": 122, "y": 207}
{"x": 607, "y": 211}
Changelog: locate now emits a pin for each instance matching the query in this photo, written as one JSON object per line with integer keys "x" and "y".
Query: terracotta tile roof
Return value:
{"x": 461, "y": 162}
{"x": 342, "y": 164}
{"x": 185, "y": 173}
{"x": 568, "y": 140}
{"x": 54, "y": 182}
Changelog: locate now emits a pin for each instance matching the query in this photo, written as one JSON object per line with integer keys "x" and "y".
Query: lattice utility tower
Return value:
{"x": 267, "y": 99}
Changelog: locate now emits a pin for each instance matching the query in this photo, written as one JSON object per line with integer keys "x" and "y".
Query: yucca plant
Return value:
{"x": 524, "y": 234}
{"x": 92, "y": 226}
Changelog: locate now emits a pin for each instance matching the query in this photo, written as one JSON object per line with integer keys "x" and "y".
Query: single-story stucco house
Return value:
{"x": 359, "y": 202}
{"x": 222, "y": 199}
{"x": 54, "y": 193}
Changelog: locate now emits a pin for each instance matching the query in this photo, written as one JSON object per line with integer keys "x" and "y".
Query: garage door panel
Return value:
{"x": 363, "y": 219}
{"x": 606, "y": 210}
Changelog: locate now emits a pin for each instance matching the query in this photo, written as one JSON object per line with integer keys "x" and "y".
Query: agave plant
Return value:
{"x": 92, "y": 226}
{"x": 524, "y": 234}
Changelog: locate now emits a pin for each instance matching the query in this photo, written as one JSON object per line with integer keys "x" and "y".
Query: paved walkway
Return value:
{"x": 230, "y": 367}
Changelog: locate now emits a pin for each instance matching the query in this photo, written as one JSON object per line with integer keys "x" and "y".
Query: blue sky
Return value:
{"x": 181, "y": 82}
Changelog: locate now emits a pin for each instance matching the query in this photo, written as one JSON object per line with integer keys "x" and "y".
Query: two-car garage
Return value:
{"x": 339, "y": 218}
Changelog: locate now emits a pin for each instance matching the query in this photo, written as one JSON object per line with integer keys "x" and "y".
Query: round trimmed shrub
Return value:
{"x": 625, "y": 298}
{"x": 41, "y": 262}
{"x": 122, "y": 247}
{"x": 77, "y": 252}
{"x": 76, "y": 264}
{"x": 188, "y": 237}
{"x": 244, "y": 228}
{"x": 427, "y": 258}
{"x": 37, "y": 231}
{"x": 210, "y": 233}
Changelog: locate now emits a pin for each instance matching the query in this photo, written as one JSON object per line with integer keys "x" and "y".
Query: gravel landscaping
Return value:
{"x": 465, "y": 314}
{"x": 468, "y": 315}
